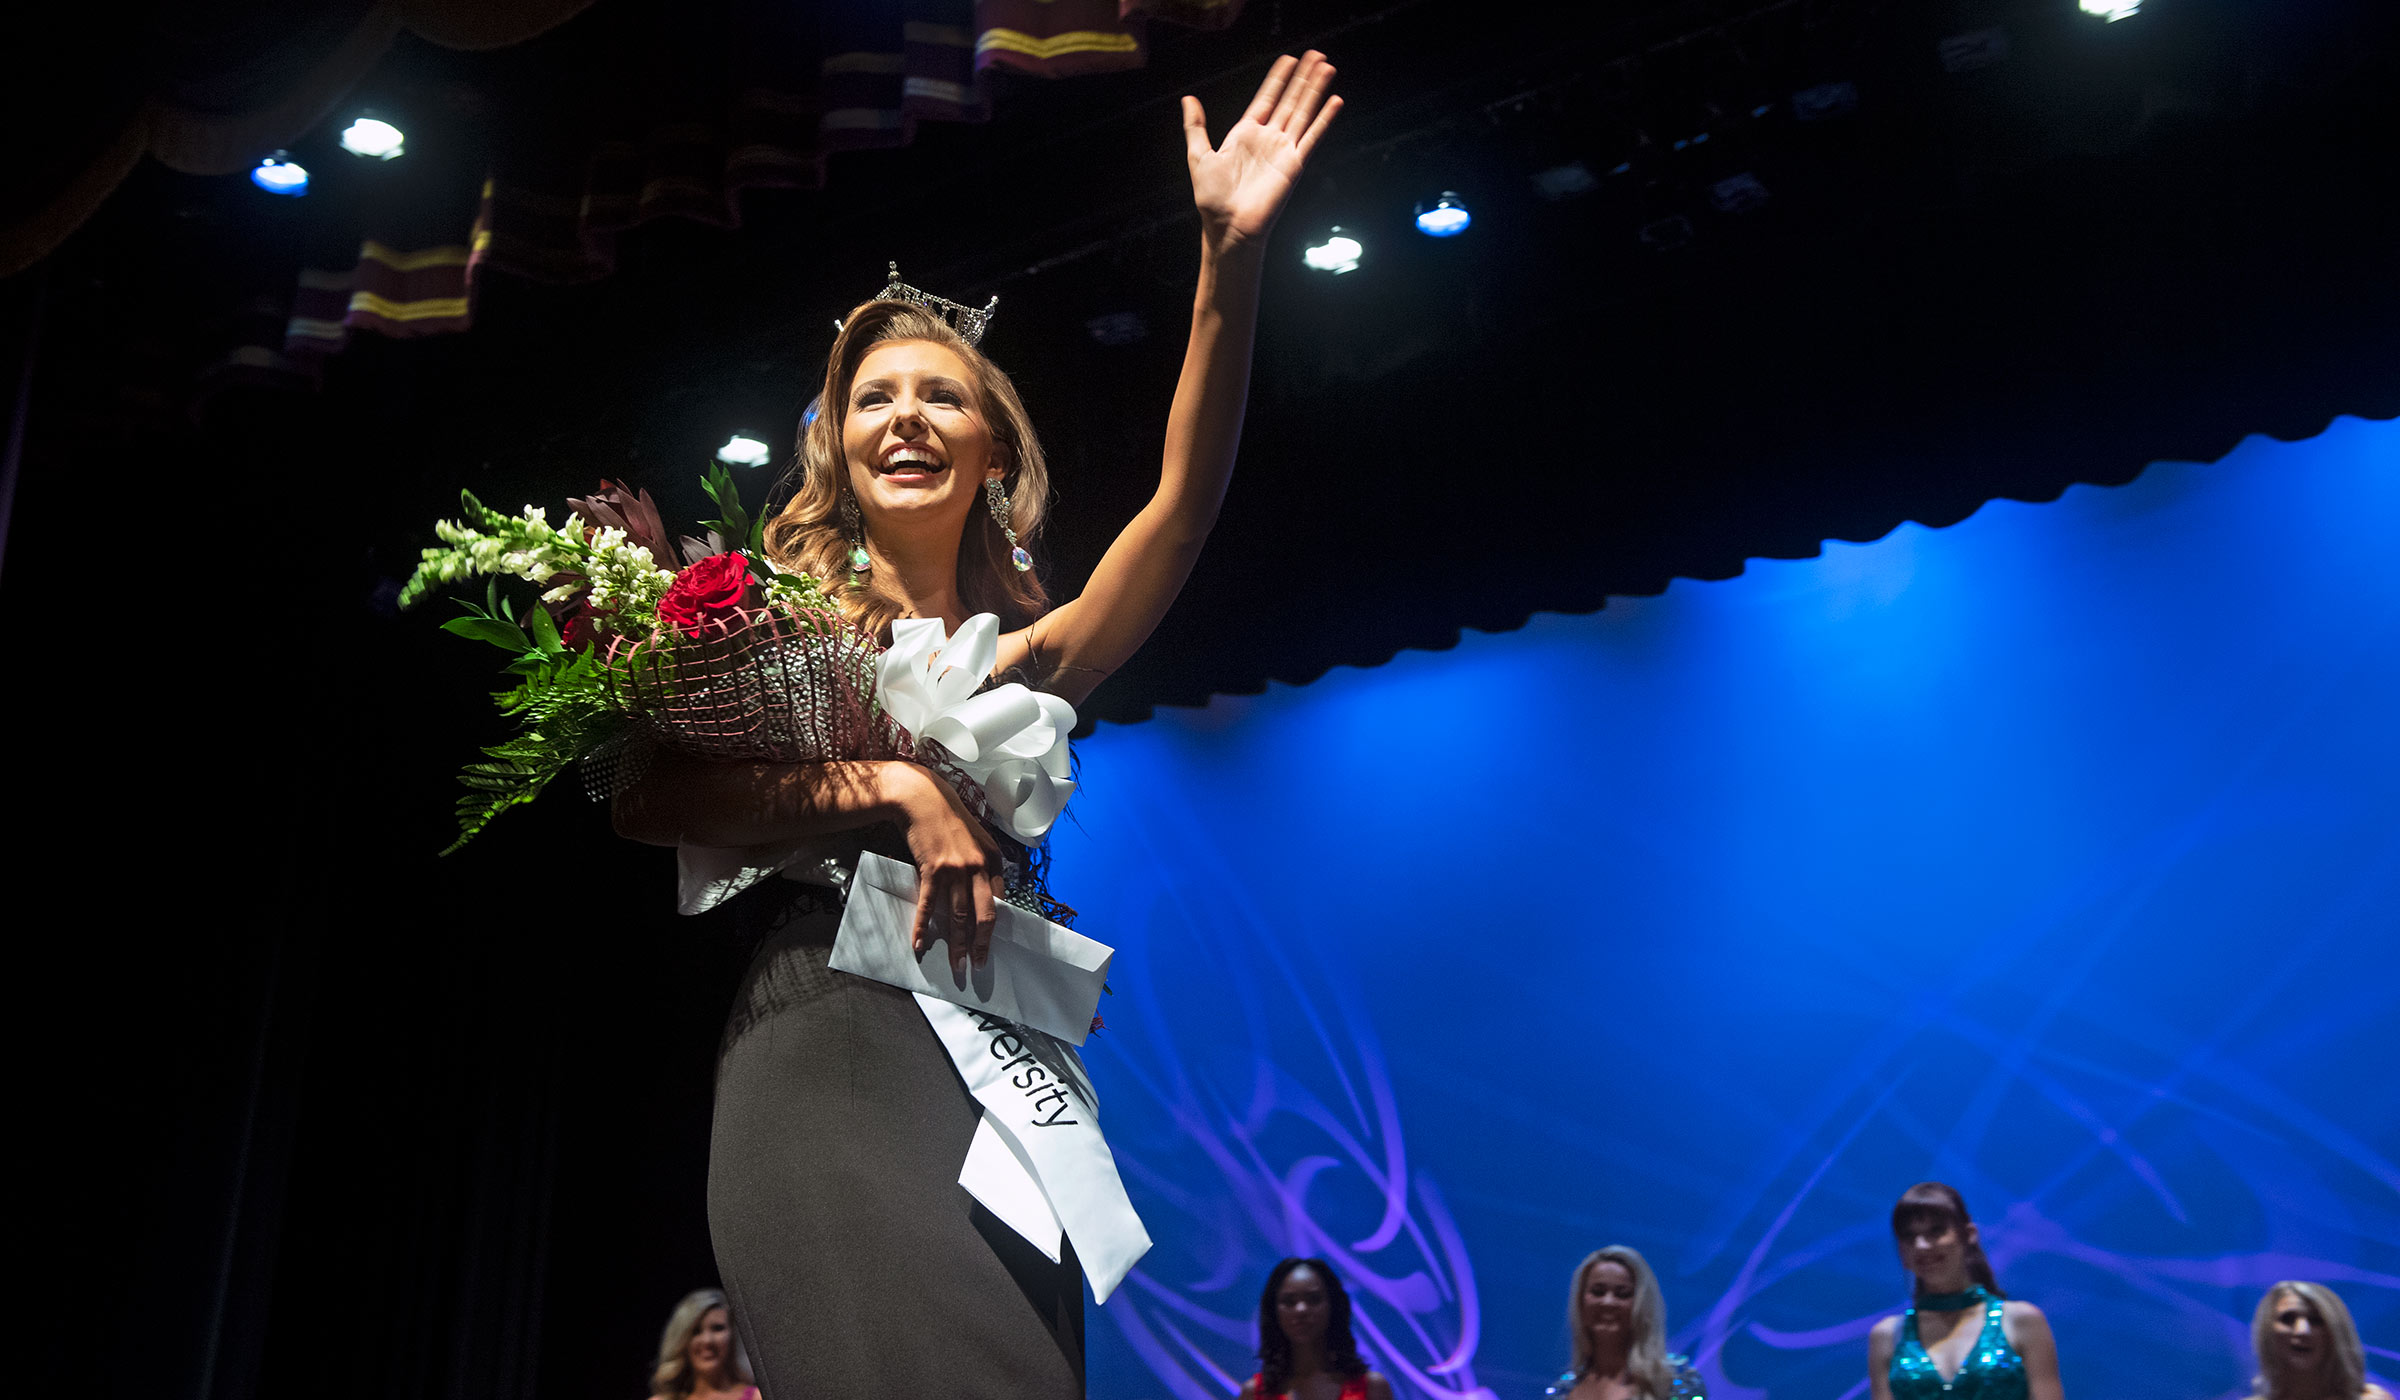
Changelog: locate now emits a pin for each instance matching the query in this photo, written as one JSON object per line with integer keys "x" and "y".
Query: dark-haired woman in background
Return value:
{"x": 700, "y": 1355}
{"x": 2308, "y": 1348}
{"x": 1305, "y": 1350}
{"x": 1617, "y": 1318}
{"x": 1961, "y": 1339}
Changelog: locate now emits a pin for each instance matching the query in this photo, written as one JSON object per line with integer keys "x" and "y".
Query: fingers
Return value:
{"x": 1297, "y": 89}
{"x": 920, "y": 938}
{"x": 1308, "y": 139}
{"x": 966, "y": 896}
{"x": 1195, "y": 130}
{"x": 987, "y": 917}
{"x": 1263, "y": 105}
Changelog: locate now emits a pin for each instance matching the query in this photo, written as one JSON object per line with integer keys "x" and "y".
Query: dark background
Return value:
{"x": 314, "y": 1109}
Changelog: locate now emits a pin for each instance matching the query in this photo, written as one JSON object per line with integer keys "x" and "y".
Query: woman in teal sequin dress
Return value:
{"x": 1961, "y": 1338}
{"x": 1617, "y": 1318}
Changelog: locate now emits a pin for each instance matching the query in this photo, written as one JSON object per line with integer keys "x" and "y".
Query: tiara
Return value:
{"x": 966, "y": 320}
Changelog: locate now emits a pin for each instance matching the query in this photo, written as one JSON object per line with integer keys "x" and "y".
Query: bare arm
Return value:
{"x": 682, "y": 800}
{"x": 2029, "y": 1332}
{"x": 1239, "y": 188}
{"x": 1377, "y": 1387}
{"x": 754, "y": 804}
{"x": 1881, "y": 1343}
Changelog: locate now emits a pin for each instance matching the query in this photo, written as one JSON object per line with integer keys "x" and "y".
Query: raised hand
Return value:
{"x": 1239, "y": 186}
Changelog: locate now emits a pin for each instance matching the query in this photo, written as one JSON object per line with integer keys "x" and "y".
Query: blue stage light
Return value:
{"x": 1565, "y": 181}
{"x": 1446, "y": 217}
{"x": 280, "y": 174}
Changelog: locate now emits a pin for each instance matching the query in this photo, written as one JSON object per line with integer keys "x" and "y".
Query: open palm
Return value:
{"x": 1239, "y": 186}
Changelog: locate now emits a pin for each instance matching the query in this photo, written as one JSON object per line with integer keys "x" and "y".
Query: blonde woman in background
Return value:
{"x": 700, "y": 1355}
{"x": 1617, "y": 1320}
{"x": 2308, "y": 1347}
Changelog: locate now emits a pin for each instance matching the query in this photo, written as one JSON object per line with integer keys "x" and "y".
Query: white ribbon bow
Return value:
{"x": 1012, "y": 741}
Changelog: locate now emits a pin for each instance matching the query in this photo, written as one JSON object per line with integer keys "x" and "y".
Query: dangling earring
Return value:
{"x": 997, "y": 499}
{"x": 859, "y": 560}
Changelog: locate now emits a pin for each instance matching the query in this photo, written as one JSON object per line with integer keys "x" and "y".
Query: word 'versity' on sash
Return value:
{"x": 1039, "y": 1104}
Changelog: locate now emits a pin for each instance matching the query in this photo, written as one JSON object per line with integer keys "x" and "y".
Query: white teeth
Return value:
{"x": 915, "y": 456}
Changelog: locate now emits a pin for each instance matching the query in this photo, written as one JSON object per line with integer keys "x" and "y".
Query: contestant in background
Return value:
{"x": 700, "y": 1355}
{"x": 1305, "y": 1350}
{"x": 1961, "y": 1338}
{"x": 858, "y": 1265}
{"x": 1617, "y": 1319}
{"x": 2308, "y": 1348}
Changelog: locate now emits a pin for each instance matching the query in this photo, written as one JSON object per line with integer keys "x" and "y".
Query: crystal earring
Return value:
{"x": 859, "y": 561}
{"x": 997, "y": 499}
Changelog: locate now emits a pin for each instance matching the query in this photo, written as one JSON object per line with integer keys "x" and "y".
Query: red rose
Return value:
{"x": 576, "y": 628}
{"x": 711, "y": 588}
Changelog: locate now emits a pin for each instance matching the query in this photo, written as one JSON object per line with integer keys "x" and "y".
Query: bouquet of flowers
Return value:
{"x": 726, "y": 657}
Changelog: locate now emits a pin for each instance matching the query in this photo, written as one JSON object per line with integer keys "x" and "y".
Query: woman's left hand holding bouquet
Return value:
{"x": 959, "y": 873}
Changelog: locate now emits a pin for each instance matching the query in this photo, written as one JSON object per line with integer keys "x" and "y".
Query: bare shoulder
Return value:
{"x": 1380, "y": 1389}
{"x": 2021, "y": 1319}
{"x": 2374, "y": 1392}
{"x": 1884, "y": 1333}
{"x": 1250, "y": 1389}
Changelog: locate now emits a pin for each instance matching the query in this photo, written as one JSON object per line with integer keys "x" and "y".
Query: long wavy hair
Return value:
{"x": 1275, "y": 1349}
{"x": 673, "y": 1374}
{"x": 1940, "y": 1201}
{"x": 2345, "y": 1373}
{"x": 807, "y": 533}
{"x": 1646, "y": 1361}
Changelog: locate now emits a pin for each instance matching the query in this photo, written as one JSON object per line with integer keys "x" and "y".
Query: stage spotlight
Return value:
{"x": 742, "y": 450}
{"x": 1824, "y": 101}
{"x": 1738, "y": 194}
{"x": 280, "y": 174}
{"x": 374, "y": 138}
{"x": 1667, "y": 234}
{"x": 1446, "y": 217}
{"x": 1337, "y": 254}
{"x": 1565, "y": 181}
{"x": 2110, "y": 10}
{"x": 1118, "y": 328}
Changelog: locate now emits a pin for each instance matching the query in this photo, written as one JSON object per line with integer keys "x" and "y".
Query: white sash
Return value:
{"x": 1038, "y": 1161}
{"x": 1043, "y": 1144}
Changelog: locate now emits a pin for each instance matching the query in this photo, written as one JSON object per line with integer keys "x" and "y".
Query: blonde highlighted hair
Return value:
{"x": 807, "y": 533}
{"x": 673, "y": 1375}
{"x": 1646, "y": 1361}
{"x": 2345, "y": 1372}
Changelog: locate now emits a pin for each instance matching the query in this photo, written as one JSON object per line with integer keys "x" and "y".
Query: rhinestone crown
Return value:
{"x": 966, "y": 320}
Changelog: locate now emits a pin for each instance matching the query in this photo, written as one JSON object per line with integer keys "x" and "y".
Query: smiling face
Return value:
{"x": 711, "y": 1344}
{"x": 915, "y": 439}
{"x": 1303, "y": 1307}
{"x": 1934, "y": 1247}
{"x": 2299, "y": 1334}
{"x": 1608, "y": 1303}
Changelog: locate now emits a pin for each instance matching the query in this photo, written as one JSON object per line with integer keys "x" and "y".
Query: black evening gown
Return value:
{"x": 858, "y": 1267}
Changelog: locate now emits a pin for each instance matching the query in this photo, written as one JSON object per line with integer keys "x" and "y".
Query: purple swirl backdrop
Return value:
{"x": 2055, "y": 854}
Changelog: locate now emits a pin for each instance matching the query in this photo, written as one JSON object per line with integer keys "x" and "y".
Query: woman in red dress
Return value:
{"x": 1305, "y": 1350}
